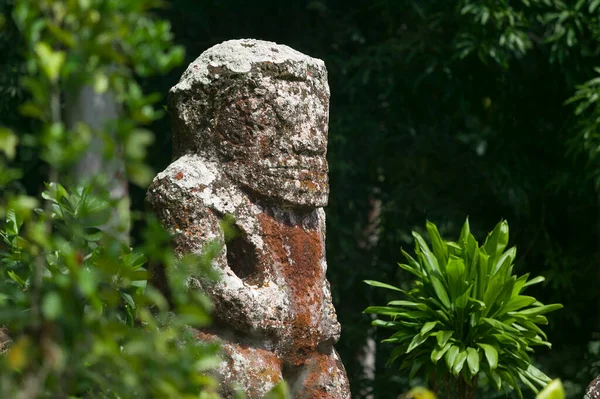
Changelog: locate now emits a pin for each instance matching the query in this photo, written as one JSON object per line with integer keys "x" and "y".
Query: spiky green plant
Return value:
{"x": 466, "y": 315}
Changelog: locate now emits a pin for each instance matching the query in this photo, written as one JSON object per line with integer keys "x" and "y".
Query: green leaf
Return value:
{"x": 537, "y": 375}
{"x": 100, "y": 83}
{"x": 383, "y": 310}
{"x": 439, "y": 351}
{"x": 8, "y": 142}
{"x": 64, "y": 36}
{"x": 494, "y": 289}
{"x": 280, "y": 391}
{"x": 55, "y": 192}
{"x": 87, "y": 281}
{"x": 417, "y": 341}
{"x": 382, "y": 285}
{"x": 139, "y": 173}
{"x": 416, "y": 366}
{"x": 430, "y": 261}
{"x": 519, "y": 284}
{"x": 472, "y": 259}
{"x": 385, "y": 323}
{"x": 539, "y": 310}
{"x": 443, "y": 337}
{"x": 13, "y": 222}
{"x": 456, "y": 277}
{"x": 451, "y": 355}
{"x": 495, "y": 377}
{"x": 31, "y": 110}
{"x": 509, "y": 377}
{"x": 499, "y": 326}
{"x": 15, "y": 277}
{"x": 473, "y": 360}
{"x": 430, "y": 325}
{"x": 438, "y": 245}
{"x": 527, "y": 382}
{"x": 496, "y": 241}
{"x": 459, "y": 362}
{"x": 52, "y": 305}
{"x": 505, "y": 260}
{"x": 464, "y": 233}
{"x": 533, "y": 281}
{"x": 554, "y": 390}
{"x": 128, "y": 299}
{"x": 517, "y": 302}
{"x": 137, "y": 142}
{"x": 411, "y": 270}
{"x": 483, "y": 278}
{"x": 413, "y": 263}
{"x": 491, "y": 354}
{"x": 440, "y": 291}
{"x": 532, "y": 327}
{"x": 408, "y": 304}
{"x": 51, "y": 61}
{"x": 505, "y": 293}
{"x": 462, "y": 301}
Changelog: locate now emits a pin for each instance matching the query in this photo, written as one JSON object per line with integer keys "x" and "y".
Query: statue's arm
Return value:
{"x": 183, "y": 199}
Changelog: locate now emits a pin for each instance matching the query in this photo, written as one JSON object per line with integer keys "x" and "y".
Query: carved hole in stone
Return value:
{"x": 243, "y": 261}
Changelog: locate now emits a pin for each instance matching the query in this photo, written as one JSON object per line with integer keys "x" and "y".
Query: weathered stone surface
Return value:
{"x": 593, "y": 390}
{"x": 250, "y": 138}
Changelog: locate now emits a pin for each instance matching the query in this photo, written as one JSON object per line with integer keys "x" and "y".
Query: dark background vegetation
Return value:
{"x": 439, "y": 113}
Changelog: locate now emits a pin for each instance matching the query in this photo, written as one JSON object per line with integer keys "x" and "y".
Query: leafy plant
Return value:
{"x": 466, "y": 315}
{"x": 554, "y": 390}
{"x": 77, "y": 317}
{"x": 83, "y": 321}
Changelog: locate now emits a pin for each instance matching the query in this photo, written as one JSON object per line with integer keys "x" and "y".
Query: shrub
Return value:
{"x": 466, "y": 315}
{"x": 76, "y": 317}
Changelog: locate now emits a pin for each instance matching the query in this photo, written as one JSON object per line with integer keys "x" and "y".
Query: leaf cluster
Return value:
{"x": 104, "y": 46}
{"x": 83, "y": 320}
{"x": 467, "y": 313}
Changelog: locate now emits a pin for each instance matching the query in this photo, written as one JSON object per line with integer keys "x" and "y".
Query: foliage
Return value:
{"x": 105, "y": 44}
{"x": 83, "y": 321}
{"x": 587, "y": 102}
{"x": 466, "y": 314}
{"x": 554, "y": 390}
{"x": 74, "y": 297}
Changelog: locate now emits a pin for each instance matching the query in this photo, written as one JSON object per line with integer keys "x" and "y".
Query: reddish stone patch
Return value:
{"x": 297, "y": 253}
{"x": 317, "y": 379}
{"x": 260, "y": 368}
{"x": 179, "y": 176}
{"x": 199, "y": 187}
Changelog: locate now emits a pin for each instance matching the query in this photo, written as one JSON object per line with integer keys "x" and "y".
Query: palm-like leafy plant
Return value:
{"x": 466, "y": 315}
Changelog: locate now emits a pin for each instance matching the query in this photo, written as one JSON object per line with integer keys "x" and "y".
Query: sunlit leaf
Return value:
{"x": 51, "y": 61}
{"x": 52, "y": 305}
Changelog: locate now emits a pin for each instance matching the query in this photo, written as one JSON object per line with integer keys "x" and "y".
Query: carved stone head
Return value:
{"x": 261, "y": 111}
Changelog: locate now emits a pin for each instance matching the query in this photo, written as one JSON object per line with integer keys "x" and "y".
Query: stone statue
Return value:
{"x": 250, "y": 139}
{"x": 593, "y": 390}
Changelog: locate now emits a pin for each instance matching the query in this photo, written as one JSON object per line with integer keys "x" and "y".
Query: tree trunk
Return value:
{"x": 367, "y": 352}
{"x": 96, "y": 110}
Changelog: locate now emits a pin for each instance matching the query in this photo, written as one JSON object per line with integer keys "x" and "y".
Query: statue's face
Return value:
{"x": 274, "y": 141}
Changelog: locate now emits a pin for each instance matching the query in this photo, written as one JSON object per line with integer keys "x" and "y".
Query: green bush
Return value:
{"x": 466, "y": 315}
{"x": 77, "y": 318}
{"x": 82, "y": 320}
